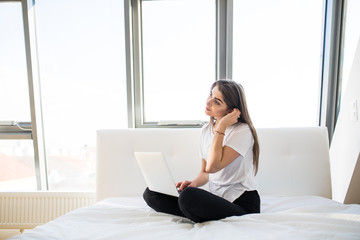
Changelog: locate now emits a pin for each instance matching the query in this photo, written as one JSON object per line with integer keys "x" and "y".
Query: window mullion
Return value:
{"x": 224, "y": 39}
{"x": 331, "y": 64}
{"x": 129, "y": 63}
{"x": 134, "y": 62}
{"x": 28, "y": 9}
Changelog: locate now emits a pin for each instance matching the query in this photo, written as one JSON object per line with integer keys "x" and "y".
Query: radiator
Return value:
{"x": 24, "y": 210}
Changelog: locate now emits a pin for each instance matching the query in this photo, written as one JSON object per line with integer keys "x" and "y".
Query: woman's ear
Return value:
{"x": 229, "y": 110}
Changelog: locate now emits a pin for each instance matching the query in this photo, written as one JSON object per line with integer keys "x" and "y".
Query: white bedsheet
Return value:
{"x": 305, "y": 217}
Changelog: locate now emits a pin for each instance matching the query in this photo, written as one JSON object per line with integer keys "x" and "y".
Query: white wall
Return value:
{"x": 345, "y": 146}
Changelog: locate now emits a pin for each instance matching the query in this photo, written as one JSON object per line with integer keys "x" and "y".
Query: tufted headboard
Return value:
{"x": 293, "y": 161}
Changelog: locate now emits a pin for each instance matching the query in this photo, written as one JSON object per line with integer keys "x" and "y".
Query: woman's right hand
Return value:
{"x": 184, "y": 184}
{"x": 230, "y": 118}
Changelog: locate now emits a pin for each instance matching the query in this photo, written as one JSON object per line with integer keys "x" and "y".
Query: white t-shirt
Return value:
{"x": 239, "y": 176}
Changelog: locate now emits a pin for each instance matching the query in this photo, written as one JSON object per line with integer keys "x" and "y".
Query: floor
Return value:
{"x": 7, "y": 233}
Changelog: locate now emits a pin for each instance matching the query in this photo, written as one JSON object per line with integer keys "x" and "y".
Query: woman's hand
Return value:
{"x": 229, "y": 119}
{"x": 184, "y": 184}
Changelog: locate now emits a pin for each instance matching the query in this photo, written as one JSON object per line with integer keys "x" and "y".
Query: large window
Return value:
{"x": 82, "y": 66}
{"x": 178, "y": 58}
{"x": 277, "y": 58}
{"x": 17, "y": 171}
{"x": 114, "y": 64}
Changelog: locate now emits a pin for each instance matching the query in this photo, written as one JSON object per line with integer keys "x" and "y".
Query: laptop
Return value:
{"x": 156, "y": 172}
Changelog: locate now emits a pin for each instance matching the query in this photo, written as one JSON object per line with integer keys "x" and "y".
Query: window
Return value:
{"x": 17, "y": 170}
{"x": 82, "y": 66}
{"x": 14, "y": 92}
{"x": 277, "y": 59}
{"x": 178, "y": 58}
{"x": 174, "y": 50}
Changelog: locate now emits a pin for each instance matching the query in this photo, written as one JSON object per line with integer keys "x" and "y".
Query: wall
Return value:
{"x": 353, "y": 193}
{"x": 345, "y": 146}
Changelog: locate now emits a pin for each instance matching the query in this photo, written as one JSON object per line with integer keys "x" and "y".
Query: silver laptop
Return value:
{"x": 156, "y": 172}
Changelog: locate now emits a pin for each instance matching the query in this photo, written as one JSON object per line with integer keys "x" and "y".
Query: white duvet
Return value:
{"x": 305, "y": 217}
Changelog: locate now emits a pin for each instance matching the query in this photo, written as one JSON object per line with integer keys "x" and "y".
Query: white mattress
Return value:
{"x": 305, "y": 217}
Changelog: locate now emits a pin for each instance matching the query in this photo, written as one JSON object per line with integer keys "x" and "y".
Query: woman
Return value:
{"x": 230, "y": 154}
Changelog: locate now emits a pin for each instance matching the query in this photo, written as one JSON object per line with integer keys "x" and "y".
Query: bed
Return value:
{"x": 293, "y": 181}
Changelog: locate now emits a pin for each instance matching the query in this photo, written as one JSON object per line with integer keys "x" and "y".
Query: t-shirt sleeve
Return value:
{"x": 240, "y": 139}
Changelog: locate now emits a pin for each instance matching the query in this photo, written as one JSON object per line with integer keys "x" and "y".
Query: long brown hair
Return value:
{"x": 234, "y": 97}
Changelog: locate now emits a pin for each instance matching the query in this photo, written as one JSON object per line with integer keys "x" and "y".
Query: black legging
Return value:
{"x": 199, "y": 205}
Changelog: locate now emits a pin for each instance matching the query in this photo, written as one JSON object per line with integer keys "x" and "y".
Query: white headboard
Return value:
{"x": 293, "y": 161}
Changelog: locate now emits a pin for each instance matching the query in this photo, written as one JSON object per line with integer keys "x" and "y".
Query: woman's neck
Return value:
{"x": 215, "y": 123}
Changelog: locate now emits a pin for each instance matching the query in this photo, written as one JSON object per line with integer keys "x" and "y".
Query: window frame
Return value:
{"x": 34, "y": 129}
{"x": 134, "y": 60}
{"x": 333, "y": 35}
{"x": 333, "y": 15}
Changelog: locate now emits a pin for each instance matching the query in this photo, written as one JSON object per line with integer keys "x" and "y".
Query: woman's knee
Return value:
{"x": 186, "y": 194}
{"x": 186, "y": 197}
{"x": 154, "y": 199}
